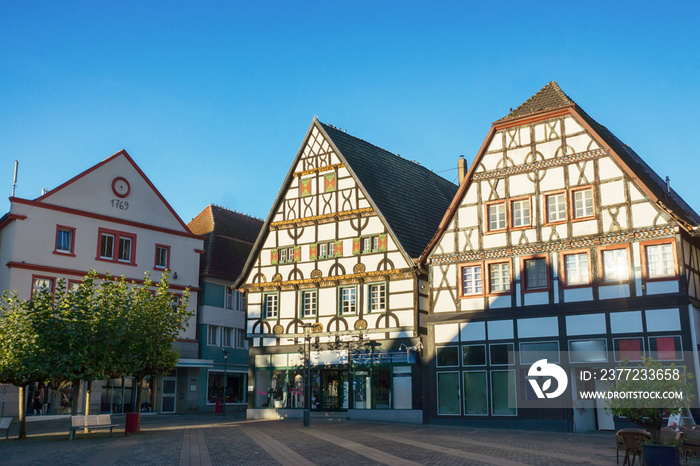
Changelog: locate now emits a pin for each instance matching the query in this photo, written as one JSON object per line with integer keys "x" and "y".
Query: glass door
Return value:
{"x": 167, "y": 404}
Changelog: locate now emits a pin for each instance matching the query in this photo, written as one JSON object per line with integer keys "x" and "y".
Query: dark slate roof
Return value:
{"x": 549, "y": 97}
{"x": 410, "y": 197}
{"x": 229, "y": 238}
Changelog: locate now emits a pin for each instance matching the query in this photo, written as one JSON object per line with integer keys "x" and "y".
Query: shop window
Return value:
{"x": 630, "y": 349}
{"x": 235, "y": 387}
{"x": 447, "y": 356}
{"x": 520, "y": 213}
{"x": 499, "y": 277}
{"x": 660, "y": 261}
{"x": 496, "y": 215}
{"x": 448, "y": 393}
{"x": 555, "y": 204}
{"x": 576, "y": 269}
{"x": 362, "y": 389}
{"x": 262, "y": 387}
{"x": 472, "y": 282}
{"x": 475, "y": 393}
{"x": 665, "y": 348}
{"x": 270, "y": 306}
{"x": 536, "y": 277}
{"x": 377, "y": 297}
{"x": 583, "y": 203}
{"x": 381, "y": 388}
{"x": 474, "y": 355}
{"x": 615, "y": 265}
{"x": 402, "y": 395}
{"x": 588, "y": 351}
{"x": 501, "y": 354}
{"x": 503, "y": 401}
{"x": 308, "y": 303}
{"x": 532, "y": 352}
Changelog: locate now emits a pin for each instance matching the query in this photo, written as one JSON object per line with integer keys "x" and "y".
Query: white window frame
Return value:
{"x": 665, "y": 261}
{"x": 351, "y": 303}
{"x": 379, "y": 304}
{"x": 270, "y": 306}
{"x": 68, "y": 232}
{"x": 164, "y": 257}
{"x": 111, "y": 237}
{"x": 309, "y": 303}
{"x": 497, "y": 220}
{"x": 476, "y": 284}
{"x": 555, "y": 210}
{"x": 505, "y": 279}
{"x": 227, "y": 337}
{"x": 212, "y": 335}
{"x": 583, "y": 206}
{"x": 520, "y": 213}
{"x": 322, "y": 250}
{"x": 577, "y": 269}
{"x": 612, "y": 275}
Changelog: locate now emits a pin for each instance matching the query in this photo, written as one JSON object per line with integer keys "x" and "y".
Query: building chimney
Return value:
{"x": 462, "y": 168}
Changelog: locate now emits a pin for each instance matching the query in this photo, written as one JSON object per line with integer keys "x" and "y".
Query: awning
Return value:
{"x": 195, "y": 363}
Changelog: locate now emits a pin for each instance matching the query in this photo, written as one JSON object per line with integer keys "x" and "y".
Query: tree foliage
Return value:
{"x": 651, "y": 377}
{"x": 100, "y": 329}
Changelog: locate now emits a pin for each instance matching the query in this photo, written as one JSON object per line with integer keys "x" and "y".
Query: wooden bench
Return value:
{"x": 92, "y": 421}
{"x": 5, "y": 425}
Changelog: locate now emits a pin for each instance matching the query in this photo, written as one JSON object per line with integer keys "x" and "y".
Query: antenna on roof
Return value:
{"x": 668, "y": 184}
{"x": 14, "y": 181}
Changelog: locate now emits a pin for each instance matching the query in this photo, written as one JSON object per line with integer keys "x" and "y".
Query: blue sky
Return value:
{"x": 213, "y": 99}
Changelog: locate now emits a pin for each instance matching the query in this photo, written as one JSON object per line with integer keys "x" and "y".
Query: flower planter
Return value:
{"x": 660, "y": 455}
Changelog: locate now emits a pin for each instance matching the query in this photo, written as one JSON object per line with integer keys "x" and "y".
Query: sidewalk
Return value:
{"x": 210, "y": 439}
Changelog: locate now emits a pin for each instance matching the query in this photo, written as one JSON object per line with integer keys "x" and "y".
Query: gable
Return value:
{"x": 116, "y": 188}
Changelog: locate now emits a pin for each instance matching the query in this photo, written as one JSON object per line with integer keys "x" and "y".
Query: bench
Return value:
{"x": 92, "y": 421}
{"x": 5, "y": 425}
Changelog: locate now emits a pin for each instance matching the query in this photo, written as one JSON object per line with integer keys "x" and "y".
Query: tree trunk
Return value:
{"x": 23, "y": 412}
{"x": 139, "y": 400}
{"x": 75, "y": 402}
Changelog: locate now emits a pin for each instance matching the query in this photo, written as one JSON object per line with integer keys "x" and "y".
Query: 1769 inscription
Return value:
{"x": 120, "y": 204}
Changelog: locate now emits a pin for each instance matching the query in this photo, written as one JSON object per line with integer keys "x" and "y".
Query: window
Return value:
{"x": 474, "y": 355}
{"x": 588, "y": 351}
{"x": 615, "y": 265}
{"x": 556, "y": 207}
{"x": 283, "y": 255}
{"x": 348, "y": 303}
{"x": 471, "y": 280}
{"x": 270, "y": 306}
{"x": 576, "y": 269}
{"x": 497, "y": 216}
{"x": 323, "y": 250}
{"x": 65, "y": 239}
{"x": 532, "y": 352}
{"x": 501, "y": 354}
{"x": 665, "y": 348}
{"x": 536, "y": 273}
{"x": 659, "y": 260}
{"x": 240, "y": 338}
{"x": 235, "y": 387}
{"x": 124, "y": 243}
{"x": 520, "y": 213}
{"x": 162, "y": 257}
{"x": 227, "y": 336}
{"x": 375, "y": 243}
{"x": 308, "y": 303}
{"x": 499, "y": 277}
{"x": 377, "y": 297}
{"x": 41, "y": 284}
{"x": 331, "y": 250}
{"x": 631, "y": 349}
{"x": 475, "y": 393}
{"x": 447, "y": 356}
{"x": 212, "y": 335}
{"x": 366, "y": 244}
{"x": 229, "y": 297}
{"x": 583, "y": 203}
{"x": 503, "y": 393}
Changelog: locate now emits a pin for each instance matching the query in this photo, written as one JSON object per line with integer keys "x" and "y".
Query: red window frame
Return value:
{"x": 167, "y": 258}
{"x": 461, "y": 268}
{"x": 115, "y": 251}
{"x": 572, "y": 203}
{"x": 70, "y": 253}
{"x": 645, "y": 265}
{"x": 562, "y": 268}
{"x": 548, "y": 278}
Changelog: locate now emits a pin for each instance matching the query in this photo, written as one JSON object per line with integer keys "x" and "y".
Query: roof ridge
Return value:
{"x": 243, "y": 214}
{"x": 541, "y": 100}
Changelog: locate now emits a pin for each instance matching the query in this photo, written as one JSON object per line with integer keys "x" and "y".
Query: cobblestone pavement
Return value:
{"x": 217, "y": 440}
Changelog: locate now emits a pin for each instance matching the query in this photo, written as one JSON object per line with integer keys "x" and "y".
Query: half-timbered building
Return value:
{"x": 561, "y": 241}
{"x": 337, "y": 257}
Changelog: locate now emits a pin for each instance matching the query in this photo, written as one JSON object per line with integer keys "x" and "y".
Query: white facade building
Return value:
{"x": 112, "y": 219}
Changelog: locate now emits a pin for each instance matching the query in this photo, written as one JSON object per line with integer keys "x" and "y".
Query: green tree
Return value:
{"x": 649, "y": 377}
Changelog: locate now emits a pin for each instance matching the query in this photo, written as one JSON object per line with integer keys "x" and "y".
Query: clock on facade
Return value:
{"x": 120, "y": 187}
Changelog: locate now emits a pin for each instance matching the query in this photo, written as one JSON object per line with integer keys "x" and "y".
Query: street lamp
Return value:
{"x": 307, "y": 374}
{"x": 223, "y": 408}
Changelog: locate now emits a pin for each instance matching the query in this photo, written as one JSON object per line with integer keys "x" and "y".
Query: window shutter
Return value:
{"x": 313, "y": 252}
{"x": 297, "y": 253}
{"x": 274, "y": 257}
{"x": 356, "y": 246}
{"x": 339, "y": 248}
{"x": 382, "y": 242}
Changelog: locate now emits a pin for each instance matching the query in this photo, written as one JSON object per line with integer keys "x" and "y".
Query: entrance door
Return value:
{"x": 605, "y": 420}
{"x": 332, "y": 390}
{"x": 167, "y": 404}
